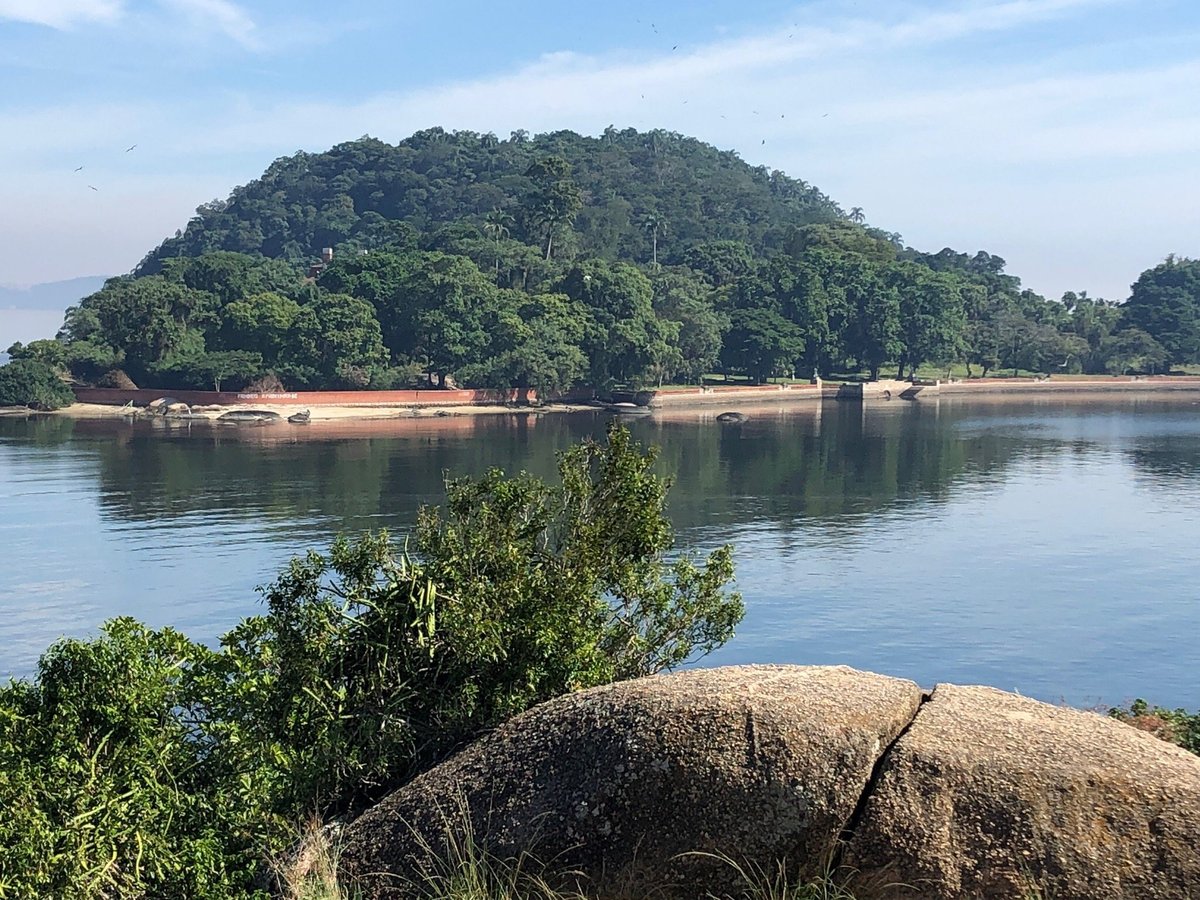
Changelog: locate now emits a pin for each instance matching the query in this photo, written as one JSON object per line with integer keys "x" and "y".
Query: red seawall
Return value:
{"x": 144, "y": 396}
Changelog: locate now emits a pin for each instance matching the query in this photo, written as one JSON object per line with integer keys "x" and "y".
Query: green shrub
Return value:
{"x": 1175, "y": 725}
{"x": 142, "y": 764}
{"x": 103, "y": 779}
{"x": 33, "y": 383}
{"x": 369, "y": 666}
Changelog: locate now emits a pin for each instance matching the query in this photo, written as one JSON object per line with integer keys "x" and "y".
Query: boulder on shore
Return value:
{"x": 968, "y": 792}
{"x": 627, "y": 783}
{"x": 161, "y": 405}
{"x": 990, "y": 794}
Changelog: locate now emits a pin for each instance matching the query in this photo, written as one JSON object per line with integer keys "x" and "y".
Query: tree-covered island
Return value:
{"x": 548, "y": 262}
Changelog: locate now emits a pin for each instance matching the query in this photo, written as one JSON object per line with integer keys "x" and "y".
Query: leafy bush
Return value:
{"x": 369, "y": 666}
{"x": 33, "y": 383}
{"x": 1177, "y": 726}
{"x": 104, "y": 782}
{"x": 142, "y": 764}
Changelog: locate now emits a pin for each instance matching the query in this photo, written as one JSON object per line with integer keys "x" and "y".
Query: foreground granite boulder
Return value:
{"x": 989, "y": 794}
{"x": 757, "y": 763}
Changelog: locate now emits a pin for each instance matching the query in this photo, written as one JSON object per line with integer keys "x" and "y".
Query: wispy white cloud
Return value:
{"x": 222, "y": 16}
{"x": 780, "y": 87}
{"x": 887, "y": 113}
{"x": 61, "y": 13}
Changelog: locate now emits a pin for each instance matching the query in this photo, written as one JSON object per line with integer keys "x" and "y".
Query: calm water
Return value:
{"x": 1048, "y": 548}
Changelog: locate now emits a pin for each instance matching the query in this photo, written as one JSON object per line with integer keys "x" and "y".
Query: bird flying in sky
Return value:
{"x": 127, "y": 149}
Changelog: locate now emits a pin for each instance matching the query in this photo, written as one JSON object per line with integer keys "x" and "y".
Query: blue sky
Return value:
{"x": 1063, "y": 135}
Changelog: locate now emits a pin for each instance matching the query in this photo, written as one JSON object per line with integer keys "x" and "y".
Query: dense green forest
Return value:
{"x": 560, "y": 260}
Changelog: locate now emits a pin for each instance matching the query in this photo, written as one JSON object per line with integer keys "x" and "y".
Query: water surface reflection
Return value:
{"x": 1037, "y": 546}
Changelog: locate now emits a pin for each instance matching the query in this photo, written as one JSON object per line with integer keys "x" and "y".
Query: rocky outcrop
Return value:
{"x": 989, "y": 794}
{"x": 249, "y": 417}
{"x": 625, "y": 783}
{"x": 964, "y": 793}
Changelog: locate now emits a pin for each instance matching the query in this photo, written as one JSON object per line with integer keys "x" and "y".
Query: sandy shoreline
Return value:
{"x": 319, "y": 413}
{"x": 1096, "y": 390}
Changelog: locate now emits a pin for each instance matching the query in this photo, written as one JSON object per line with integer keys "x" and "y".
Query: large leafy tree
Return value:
{"x": 686, "y": 299}
{"x": 874, "y": 332}
{"x": 762, "y": 343}
{"x": 535, "y": 343}
{"x": 52, "y": 354}
{"x": 147, "y": 319}
{"x": 260, "y": 323}
{"x": 555, "y": 199}
{"x": 1133, "y": 350}
{"x": 336, "y": 340}
{"x": 624, "y": 337}
{"x": 932, "y": 318}
{"x": 33, "y": 383}
{"x": 1165, "y": 303}
{"x": 212, "y": 368}
{"x": 721, "y": 262}
{"x": 444, "y": 302}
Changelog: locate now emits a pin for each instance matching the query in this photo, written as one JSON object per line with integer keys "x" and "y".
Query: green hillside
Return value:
{"x": 350, "y": 197}
{"x": 561, "y": 260}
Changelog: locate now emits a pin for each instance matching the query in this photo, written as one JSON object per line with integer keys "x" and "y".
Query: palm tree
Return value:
{"x": 498, "y": 224}
{"x": 653, "y": 223}
{"x": 856, "y": 215}
{"x": 556, "y": 198}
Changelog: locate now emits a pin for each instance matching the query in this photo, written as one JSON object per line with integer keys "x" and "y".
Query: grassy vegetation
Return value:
{"x": 310, "y": 871}
{"x": 468, "y": 871}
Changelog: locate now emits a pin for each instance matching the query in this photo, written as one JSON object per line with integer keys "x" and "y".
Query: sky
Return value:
{"x": 1062, "y": 135}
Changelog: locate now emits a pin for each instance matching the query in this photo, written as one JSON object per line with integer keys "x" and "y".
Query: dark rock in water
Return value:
{"x": 629, "y": 409}
{"x": 732, "y": 418}
{"x": 162, "y": 404}
{"x": 301, "y": 418}
{"x": 632, "y": 784}
{"x": 249, "y": 417}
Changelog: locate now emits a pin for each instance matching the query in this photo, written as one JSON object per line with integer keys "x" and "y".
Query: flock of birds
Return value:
{"x": 755, "y": 112}
{"x": 653, "y": 27}
{"x": 92, "y": 187}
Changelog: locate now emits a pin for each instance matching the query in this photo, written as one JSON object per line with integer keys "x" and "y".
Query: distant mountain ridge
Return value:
{"x": 51, "y": 295}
